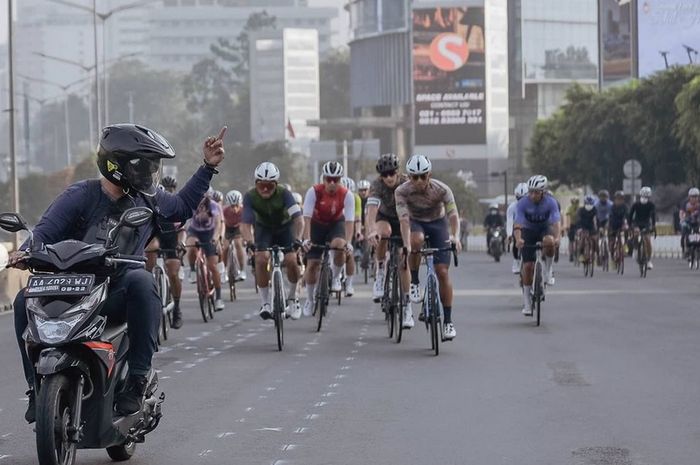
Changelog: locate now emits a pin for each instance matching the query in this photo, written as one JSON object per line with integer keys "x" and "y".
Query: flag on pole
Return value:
{"x": 290, "y": 129}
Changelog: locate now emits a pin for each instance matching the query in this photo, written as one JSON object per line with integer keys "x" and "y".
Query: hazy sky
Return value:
{"x": 340, "y": 25}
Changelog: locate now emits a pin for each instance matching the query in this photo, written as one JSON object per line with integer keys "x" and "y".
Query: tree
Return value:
{"x": 687, "y": 126}
{"x": 335, "y": 89}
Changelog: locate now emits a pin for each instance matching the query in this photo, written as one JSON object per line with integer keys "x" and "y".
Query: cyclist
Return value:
{"x": 603, "y": 207}
{"x": 276, "y": 217}
{"x": 204, "y": 228}
{"x": 643, "y": 216}
{"x": 427, "y": 207}
{"x": 570, "y": 225}
{"x": 492, "y": 221}
{"x": 329, "y": 217}
{"x": 129, "y": 160}
{"x": 520, "y": 192}
{"x": 233, "y": 213}
{"x": 537, "y": 220}
{"x": 688, "y": 215}
{"x": 167, "y": 238}
{"x": 587, "y": 222}
{"x": 617, "y": 220}
{"x": 363, "y": 193}
{"x": 349, "y": 184}
{"x": 382, "y": 220}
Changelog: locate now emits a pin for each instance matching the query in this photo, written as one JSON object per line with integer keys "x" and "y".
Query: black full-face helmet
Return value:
{"x": 130, "y": 155}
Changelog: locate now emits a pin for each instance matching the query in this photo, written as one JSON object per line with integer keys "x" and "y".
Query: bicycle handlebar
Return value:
{"x": 433, "y": 250}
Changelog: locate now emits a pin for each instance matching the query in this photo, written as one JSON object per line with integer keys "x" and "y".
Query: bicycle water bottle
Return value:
{"x": 221, "y": 268}
{"x": 181, "y": 274}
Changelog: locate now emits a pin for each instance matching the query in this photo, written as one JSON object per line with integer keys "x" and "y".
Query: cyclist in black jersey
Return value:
{"x": 643, "y": 216}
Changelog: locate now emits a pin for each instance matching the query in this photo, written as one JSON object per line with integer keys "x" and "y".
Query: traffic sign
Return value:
{"x": 632, "y": 169}
{"x": 631, "y": 186}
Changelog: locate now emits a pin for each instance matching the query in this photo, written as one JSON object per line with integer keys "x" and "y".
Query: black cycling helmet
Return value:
{"x": 169, "y": 182}
{"x": 387, "y": 162}
{"x": 130, "y": 155}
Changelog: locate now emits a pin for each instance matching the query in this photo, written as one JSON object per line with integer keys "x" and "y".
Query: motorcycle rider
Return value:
{"x": 129, "y": 159}
{"x": 492, "y": 221}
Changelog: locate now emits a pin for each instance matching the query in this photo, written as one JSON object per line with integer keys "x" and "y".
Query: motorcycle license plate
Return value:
{"x": 70, "y": 284}
{"x": 694, "y": 238}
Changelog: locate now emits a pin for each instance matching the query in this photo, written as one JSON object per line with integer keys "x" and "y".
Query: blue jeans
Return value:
{"x": 133, "y": 298}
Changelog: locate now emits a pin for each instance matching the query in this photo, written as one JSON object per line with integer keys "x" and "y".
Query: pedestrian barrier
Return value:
{"x": 663, "y": 246}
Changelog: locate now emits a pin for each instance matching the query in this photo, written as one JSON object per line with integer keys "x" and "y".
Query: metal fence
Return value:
{"x": 663, "y": 246}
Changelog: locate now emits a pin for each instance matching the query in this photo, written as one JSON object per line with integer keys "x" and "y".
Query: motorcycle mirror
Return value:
{"x": 12, "y": 222}
{"x": 136, "y": 217}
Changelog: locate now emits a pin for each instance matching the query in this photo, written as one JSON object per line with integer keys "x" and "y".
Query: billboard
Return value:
{"x": 667, "y": 27}
{"x": 616, "y": 41}
{"x": 449, "y": 76}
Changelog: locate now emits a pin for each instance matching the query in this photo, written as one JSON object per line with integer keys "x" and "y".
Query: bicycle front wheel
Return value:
{"x": 322, "y": 296}
{"x": 202, "y": 292}
{"x": 433, "y": 308}
{"x": 537, "y": 298}
{"x": 278, "y": 308}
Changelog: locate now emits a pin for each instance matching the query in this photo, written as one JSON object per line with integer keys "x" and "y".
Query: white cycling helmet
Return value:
{"x": 419, "y": 164}
{"x": 645, "y": 191}
{"x": 297, "y": 197}
{"x": 234, "y": 198}
{"x": 363, "y": 184}
{"x": 493, "y": 206}
{"x": 267, "y": 171}
{"x": 348, "y": 183}
{"x": 693, "y": 192}
{"x": 332, "y": 169}
{"x": 537, "y": 183}
{"x": 521, "y": 190}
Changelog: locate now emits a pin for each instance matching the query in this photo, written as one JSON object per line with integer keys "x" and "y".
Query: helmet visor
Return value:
{"x": 143, "y": 175}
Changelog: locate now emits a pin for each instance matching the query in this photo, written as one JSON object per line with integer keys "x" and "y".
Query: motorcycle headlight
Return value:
{"x": 97, "y": 296}
{"x": 52, "y": 331}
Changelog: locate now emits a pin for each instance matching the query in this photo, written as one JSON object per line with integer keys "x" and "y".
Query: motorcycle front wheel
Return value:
{"x": 54, "y": 419}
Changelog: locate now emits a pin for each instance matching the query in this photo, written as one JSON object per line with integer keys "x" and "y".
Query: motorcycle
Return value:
{"x": 496, "y": 244}
{"x": 80, "y": 360}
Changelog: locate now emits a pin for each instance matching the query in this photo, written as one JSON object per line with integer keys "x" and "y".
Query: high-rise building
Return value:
{"x": 552, "y": 45}
{"x": 284, "y": 86}
{"x": 432, "y": 76}
{"x": 182, "y": 32}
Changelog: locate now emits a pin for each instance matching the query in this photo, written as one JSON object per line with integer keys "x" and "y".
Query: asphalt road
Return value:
{"x": 611, "y": 378}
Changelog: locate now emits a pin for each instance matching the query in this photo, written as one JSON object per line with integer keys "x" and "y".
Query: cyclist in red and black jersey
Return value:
{"x": 329, "y": 217}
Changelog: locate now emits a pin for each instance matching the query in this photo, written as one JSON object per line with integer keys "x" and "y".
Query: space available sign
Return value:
{"x": 449, "y": 75}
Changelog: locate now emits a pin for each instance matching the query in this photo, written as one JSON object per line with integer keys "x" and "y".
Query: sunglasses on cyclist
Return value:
{"x": 332, "y": 179}
{"x": 387, "y": 174}
{"x": 416, "y": 177}
{"x": 266, "y": 185}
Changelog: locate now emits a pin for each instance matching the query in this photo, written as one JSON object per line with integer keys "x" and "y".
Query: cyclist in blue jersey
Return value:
{"x": 537, "y": 219}
{"x": 603, "y": 208}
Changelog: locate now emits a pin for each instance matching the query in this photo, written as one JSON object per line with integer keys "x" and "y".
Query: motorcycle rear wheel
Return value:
{"x": 122, "y": 452}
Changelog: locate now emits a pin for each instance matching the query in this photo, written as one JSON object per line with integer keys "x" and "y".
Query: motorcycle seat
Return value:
{"x": 113, "y": 330}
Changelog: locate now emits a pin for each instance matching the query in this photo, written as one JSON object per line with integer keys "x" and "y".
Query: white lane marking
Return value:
{"x": 165, "y": 377}
{"x": 6, "y": 435}
{"x": 201, "y": 359}
{"x": 5, "y": 457}
{"x": 354, "y": 351}
{"x": 312, "y": 416}
{"x": 262, "y": 397}
{"x": 340, "y": 376}
{"x": 287, "y": 447}
{"x": 333, "y": 385}
{"x": 240, "y": 420}
{"x": 225, "y": 434}
{"x": 349, "y": 359}
{"x": 346, "y": 367}
{"x": 320, "y": 404}
{"x": 178, "y": 371}
{"x": 301, "y": 430}
{"x": 329, "y": 394}
{"x": 270, "y": 388}
{"x": 249, "y": 409}
{"x": 205, "y": 452}
{"x": 360, "y": 343}
{"x": 270, "y": 430}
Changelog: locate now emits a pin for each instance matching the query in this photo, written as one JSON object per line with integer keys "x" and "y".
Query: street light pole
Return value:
{"x": 97, "y": 73}
{"x": 13, "y": 155}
